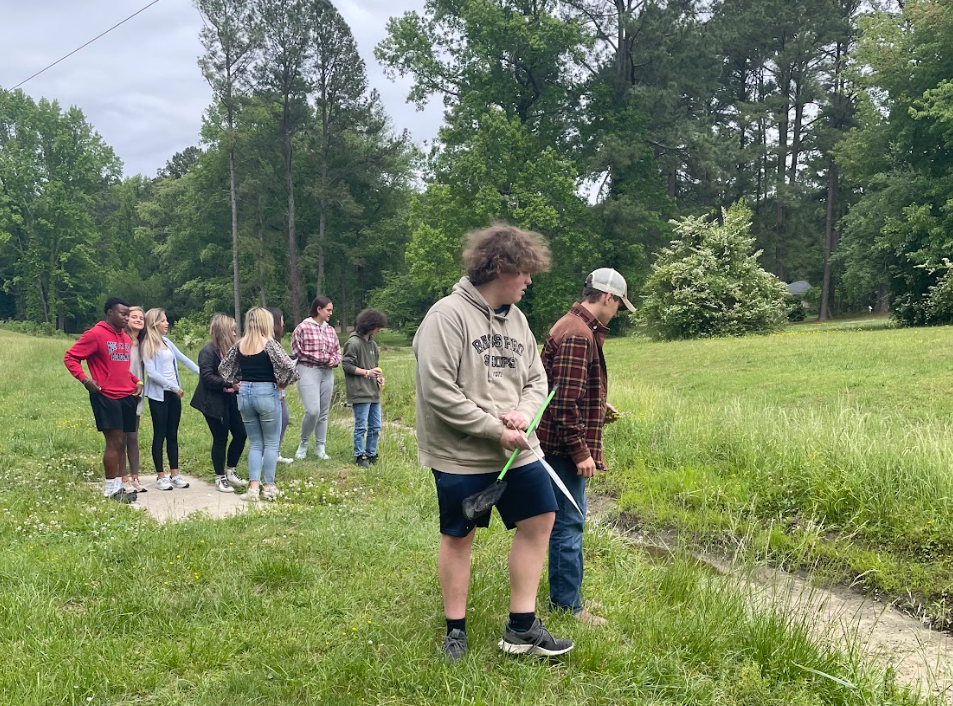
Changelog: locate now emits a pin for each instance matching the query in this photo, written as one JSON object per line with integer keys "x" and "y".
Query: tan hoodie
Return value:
{"x": 472, "y": 366}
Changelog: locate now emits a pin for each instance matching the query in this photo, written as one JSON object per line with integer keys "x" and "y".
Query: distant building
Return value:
{"x": 799, "y": 288}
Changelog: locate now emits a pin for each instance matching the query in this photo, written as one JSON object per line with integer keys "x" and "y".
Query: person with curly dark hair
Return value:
{"x": 480, "y": 381}
{"x": 363, "y": 381}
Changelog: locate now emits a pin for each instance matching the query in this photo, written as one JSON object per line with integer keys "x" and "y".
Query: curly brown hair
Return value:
{"x": 368, "y": 320}
{"x": 504, "y": 249}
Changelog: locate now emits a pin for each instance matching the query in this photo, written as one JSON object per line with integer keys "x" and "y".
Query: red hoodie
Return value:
{"x": 106, "y": 352}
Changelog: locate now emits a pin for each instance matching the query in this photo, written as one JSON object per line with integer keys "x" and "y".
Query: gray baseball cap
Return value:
{"x": 605, "y": 279}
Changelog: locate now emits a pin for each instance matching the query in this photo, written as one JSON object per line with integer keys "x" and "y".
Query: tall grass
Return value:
{"x": 842, "y": 460}
{"x": 330, "y": 595}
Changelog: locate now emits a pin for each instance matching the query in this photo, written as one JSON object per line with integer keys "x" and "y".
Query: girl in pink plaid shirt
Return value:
{"x": 315, "y": 345}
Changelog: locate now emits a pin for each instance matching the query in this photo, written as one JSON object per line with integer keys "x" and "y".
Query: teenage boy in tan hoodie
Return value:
{"x": 479, "y": 381}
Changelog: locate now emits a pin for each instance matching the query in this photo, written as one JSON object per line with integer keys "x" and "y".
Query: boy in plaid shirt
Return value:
{"x": 570, "y": 431}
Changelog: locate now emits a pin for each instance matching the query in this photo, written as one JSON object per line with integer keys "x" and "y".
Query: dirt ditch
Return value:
{"x": 919, "y": 657}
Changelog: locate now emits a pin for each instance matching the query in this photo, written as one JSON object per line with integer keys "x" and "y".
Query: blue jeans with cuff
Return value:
{"x": 367, "y": 422}
{"x": 261, "y": 412}
{"x": 565, "y": 542}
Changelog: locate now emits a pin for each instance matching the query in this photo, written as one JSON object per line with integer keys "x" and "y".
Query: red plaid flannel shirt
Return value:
{"x": 316, "y": 346}
{"x": 572, "y": 356}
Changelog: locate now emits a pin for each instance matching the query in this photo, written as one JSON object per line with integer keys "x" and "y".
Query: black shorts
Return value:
{"x": 113, "y": 414}
{"x": 529, "y": 492}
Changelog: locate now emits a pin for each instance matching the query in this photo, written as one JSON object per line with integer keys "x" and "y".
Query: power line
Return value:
{"x": 98, "y": 36}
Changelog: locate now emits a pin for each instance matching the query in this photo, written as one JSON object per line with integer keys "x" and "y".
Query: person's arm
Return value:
{"x": 536, "y": 388}
{"x": 153, "y": 373}
{"x": 349, "y": 358}
{"x": 77, "y": 353}
{"x": 441, "y": 343}
{"x": 570, "y": 370}
{"x": 208, "y": 371}
{"x": 285, "y": 370}
{"x": 182, "y": 357}
{"x": 228, "y": 368}
{"x": 335, "y": 349}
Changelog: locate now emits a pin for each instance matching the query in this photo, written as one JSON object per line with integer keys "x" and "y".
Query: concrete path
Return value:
{"x": 200, "y": 496}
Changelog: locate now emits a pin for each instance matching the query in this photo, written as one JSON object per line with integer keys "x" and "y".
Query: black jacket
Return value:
{"x": 210, "y": 398}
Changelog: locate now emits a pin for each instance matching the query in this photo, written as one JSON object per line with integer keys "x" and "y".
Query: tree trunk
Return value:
{"x": 234, "y": 201}
{"x": 323, "y": 204}
{"x": 294, "y": 279}
{"x": 883, "y": 300}
{"x": 825, "y": 313}
{"x": 783, "y": 124}
{"x": 262, "y": 276}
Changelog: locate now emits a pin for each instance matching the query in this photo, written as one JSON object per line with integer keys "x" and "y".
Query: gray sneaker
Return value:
{"x": 179, "y": 482}
{"x": 535, "y": 641}
{"x": 223, "y": 486}
{"x": 164, "y": 483}
{"x": 455, "y": 645}
{"x": 269, "y": 491}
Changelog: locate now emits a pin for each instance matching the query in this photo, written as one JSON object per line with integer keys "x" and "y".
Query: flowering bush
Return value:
{"x": 708, "y": 282}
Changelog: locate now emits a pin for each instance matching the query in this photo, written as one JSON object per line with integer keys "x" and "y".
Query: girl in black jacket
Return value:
{"x": 218, "y": 401}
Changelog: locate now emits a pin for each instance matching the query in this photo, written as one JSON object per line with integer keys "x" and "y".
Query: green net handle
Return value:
{"x": 529, "y": 430}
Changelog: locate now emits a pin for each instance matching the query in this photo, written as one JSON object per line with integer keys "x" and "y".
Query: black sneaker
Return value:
{"x": 455, "y": 645}
{"x": 372, "y": 459}
{"x": 361, "y": 461}
{"x": 121, "y": 496}
{"x": 535, "y": 641}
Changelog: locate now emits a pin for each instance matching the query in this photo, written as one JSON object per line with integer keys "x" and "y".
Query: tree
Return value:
{"x": 339, "y": 82}
{"x": 286, "y": 39}
{"x": 229, "y": 38}
{"x": 708, "y": 282}
{"x": 55, "y": 175}
{"x": 901, "y": 157}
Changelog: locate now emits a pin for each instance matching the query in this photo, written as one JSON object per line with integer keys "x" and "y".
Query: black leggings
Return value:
{"x": 165, "y": 428}
{"x": 231, "y": 423}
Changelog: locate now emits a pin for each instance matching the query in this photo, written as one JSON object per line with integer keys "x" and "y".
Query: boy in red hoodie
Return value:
{"x": 113, "y": 390}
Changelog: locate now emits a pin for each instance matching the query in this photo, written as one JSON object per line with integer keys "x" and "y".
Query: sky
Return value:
{"x": 140, "y": 86}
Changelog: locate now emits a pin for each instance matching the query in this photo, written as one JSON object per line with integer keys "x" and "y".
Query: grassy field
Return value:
{"x": 824, "y": 447}
{"x": 330, "y": 595}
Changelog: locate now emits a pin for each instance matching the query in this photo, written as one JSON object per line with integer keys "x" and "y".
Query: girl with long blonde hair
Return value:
{"x": 218, "y": 401}
{"x": 259, "y": 368}
{"x": 164, "y": 390}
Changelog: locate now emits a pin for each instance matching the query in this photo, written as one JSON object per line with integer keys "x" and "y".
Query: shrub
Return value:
{"x": 32, "y": 328}
{"x": 708, "y": 282}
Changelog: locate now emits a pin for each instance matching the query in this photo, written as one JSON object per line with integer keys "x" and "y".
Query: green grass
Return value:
{"x": 824, "y": 447}
{"x": 330, "y": 596}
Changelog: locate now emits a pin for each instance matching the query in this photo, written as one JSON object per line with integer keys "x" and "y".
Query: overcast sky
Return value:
{"x": 140, "y": 86}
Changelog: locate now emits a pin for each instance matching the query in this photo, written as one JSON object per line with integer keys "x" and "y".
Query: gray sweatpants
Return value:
{"x": 315, "y": 388}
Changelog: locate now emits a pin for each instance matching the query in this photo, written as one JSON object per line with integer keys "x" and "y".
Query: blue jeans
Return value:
{"x": 367, "y": 420}
{"x": 565, "y": 541}
{"x": 261, "y": 412}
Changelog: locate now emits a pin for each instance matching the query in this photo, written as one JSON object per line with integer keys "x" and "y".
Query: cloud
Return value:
{"x": 140, "y": 86}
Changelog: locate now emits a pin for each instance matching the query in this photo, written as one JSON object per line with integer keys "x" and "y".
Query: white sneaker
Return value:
{"x": 302, "y": 452}
{"x": 223, "y": 486}
{"x": 270, "y": 491}
{"x": 164, "y": 483}
{"x": 320, "y": 453}
{"x": 250, "y": 495}
{"x": 179, "y": 482}
{"x": 233, "y": 478}
{"x": 282, "y": 459}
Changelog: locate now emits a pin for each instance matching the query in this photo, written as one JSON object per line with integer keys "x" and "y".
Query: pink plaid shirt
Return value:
{"x": 316, "y": 346}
